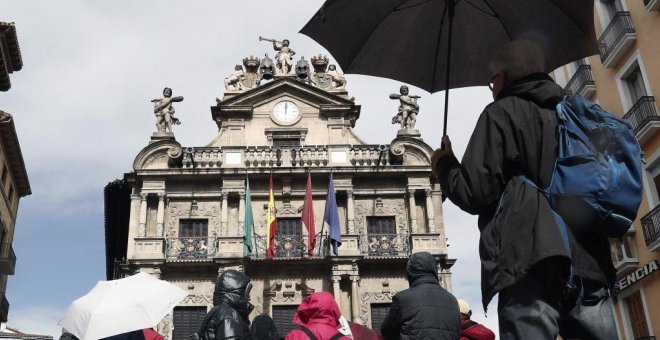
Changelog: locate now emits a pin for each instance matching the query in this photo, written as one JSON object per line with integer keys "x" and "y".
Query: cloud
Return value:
{"x": 40, "y": 320}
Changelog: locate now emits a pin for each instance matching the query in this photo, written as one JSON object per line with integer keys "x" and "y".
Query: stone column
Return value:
{"x": 224, "y": 216}
{"x": 143, "y": 216}
{"x": 429, "y": 210}
{"x": 350, "y": 211}
{"x": 160, "y": 215}
{"x": 336, "y": 291}
{"x": 413, "y": 210}
{"x": 355, "y": 299}
{"x": 241, "y": 214}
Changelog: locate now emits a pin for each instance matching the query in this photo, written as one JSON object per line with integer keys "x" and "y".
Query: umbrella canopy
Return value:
{"x": 407, "y": 40}
{"x": 114, "y": 307}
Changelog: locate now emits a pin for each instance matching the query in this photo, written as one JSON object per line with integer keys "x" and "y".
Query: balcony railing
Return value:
{"x": 581, "y": 81}
{"x": 191, "y": 248}
{"x": 385, "y": 244}
{"x": 652, "y": 5}
{"x": 289, "y": 246}
{"x": 651, "y": 227}
{"x": 7, "y": 259}
{"x": 4, "y": 308}
{"x": 614, "y": 35}
{"x": 642, "y": 113}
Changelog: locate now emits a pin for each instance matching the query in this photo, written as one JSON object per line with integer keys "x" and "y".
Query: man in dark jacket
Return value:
{"x": 523, "y": 256}
{"x": 425, "y": 310}
{"x": 228, "y": 319}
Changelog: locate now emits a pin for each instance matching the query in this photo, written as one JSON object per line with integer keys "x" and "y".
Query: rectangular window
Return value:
{"x": 193, "y": 228}
{"x": 187, "y": 320}
{"x": 379, "y": 312}
{"x": 286, "y": 143}
{"x": 381, "y": 225}
{"x": 289, "y": 226}
{"x": 635, "y": 83}
{"x": 637, "y": 316}
{"x": 612, "y": 7}
{"x": 5, "y": 173}
{"x": 283, "y": 318}
{"x": 10, "y": 195}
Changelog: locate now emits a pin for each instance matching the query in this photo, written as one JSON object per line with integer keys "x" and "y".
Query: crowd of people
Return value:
{"x": 552, "y": 279}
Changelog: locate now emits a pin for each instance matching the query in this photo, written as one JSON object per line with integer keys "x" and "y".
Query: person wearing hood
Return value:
{"x": 471, "y": 330}
{"x": 522, "y": 250}
{"x": 228, "y": 319}
{"x": 425, "y": 310}
{"x": 317, "y": 319}
{"x": 263, "y": 328}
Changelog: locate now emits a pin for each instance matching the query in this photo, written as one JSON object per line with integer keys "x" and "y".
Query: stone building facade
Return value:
{"x": 624, "y": 78}
{"x": 180, "y": 213}
{"x": 14, "y": 182}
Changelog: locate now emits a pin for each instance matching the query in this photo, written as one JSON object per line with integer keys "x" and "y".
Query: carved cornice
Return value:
{"x": 411, "y": 151}
{"x": 166, "y": 149}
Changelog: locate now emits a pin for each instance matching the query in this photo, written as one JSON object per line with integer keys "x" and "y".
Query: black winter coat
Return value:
{"x": 516, "y": 135}
{"x": 425, "y": 310}
{"x": 228, "y": 319}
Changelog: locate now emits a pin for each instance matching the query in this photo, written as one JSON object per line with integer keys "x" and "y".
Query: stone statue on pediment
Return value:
{"x": 164, "y": 111}
{"x": 408, "y": 109}
{"x": 321, "y": 78}
{"x": 267, "y": 68}
{"x": 302, "y": 71}
{"x": 283, "y": 55}
{"x": 233, "y": 81}
{"x": 252, "y": 78}
{"x": 338, "y": 79}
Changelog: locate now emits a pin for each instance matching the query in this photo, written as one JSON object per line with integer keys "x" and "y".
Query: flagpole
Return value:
{"x": 323, "y": 225}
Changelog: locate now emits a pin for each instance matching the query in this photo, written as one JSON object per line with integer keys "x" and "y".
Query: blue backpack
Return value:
{"x": 597, "y": 180}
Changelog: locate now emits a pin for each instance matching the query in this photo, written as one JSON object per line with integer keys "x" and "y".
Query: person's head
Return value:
{"x": 421, "y": 265}
{"x": 320, "y": 306}
{"x": 513, "y": 61}
{"x": 403, "y": 90}
{"x": 167, "y": 92}
{"x": 233, "y": 288}
{"x": 285, "y": 42}
{"x": 464, "y": 308}
{"x": 263, "y": 328}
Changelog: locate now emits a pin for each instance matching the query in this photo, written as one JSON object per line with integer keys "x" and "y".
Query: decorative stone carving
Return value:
{"x": 252, "y": 78}
{"x": 338, "y": 79}
{"x": 178, "y": 210}
{"x": 233, "y": 81}
{"x": 164, "y": 111}
{"x": 367, "y": 298}
{"x": 320, "y": 78}
{"x": 302, "y": 71}
{"x": 408, "y": 109}
{"x": 267, "y": 68}
{"x": 398, "y": 210}
{"x": 288, "y": 291}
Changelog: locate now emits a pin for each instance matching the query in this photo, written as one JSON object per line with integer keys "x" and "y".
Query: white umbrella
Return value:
{"x": 114, "y": 307}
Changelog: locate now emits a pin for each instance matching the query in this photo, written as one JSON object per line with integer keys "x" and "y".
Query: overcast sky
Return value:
{"x": 82, "y": 110}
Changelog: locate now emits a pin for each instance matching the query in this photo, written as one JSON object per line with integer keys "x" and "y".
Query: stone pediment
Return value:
{"x": 246, "y": 101}
{"x": 162, "y": 154}
{"x": 411, "y": 151}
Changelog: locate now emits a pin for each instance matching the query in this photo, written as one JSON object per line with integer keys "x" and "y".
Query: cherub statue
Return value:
{"x": 338, "y": 79}
{"x": 233, "y": 81}
{"x": 165, "y": 111}
{"x": 284, "y": 55}
{"x": 408, "y": 109}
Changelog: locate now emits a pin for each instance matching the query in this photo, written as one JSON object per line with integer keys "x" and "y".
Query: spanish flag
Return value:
{"x": 271, "y": 228}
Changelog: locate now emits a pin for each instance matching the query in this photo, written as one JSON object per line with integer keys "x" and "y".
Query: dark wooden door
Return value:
{"x": 283, "y": 318}
{"x": 187, "y": 320}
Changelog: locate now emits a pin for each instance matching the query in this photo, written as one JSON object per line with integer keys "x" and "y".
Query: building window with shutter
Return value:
{"x": 289, "y": 241}
{"x": 193, "y": 241}
{"x": 379, "y": 312}
{"x": 283, "y": 318}
{"x": 382, "y": 237}
{"x": 186, "y": 321}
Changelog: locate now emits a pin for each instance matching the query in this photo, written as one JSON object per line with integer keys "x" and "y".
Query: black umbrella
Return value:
{"x": 411, "y": 40}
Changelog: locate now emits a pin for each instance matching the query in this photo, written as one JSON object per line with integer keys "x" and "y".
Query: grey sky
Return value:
{"x": 82, "y": 112}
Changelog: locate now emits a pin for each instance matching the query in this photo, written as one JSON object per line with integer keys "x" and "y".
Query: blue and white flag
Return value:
{"x": 331, "y": 217}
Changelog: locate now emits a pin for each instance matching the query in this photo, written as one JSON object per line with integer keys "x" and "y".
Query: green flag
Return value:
{"x": 249, "y": 220}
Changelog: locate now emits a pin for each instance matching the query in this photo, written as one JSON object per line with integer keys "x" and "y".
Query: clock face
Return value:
{"x": 286, "y": 112}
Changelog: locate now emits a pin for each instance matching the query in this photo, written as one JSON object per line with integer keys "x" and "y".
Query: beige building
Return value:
{"x": 180, "y": 213}
{"x": 14, "y": 182}
{"x": 623, "y": 79}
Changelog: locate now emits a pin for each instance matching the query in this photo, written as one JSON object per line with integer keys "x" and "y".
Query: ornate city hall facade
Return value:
{"x": 180, "y": 214}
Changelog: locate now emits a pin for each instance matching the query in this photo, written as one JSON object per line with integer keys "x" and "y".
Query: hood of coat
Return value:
{"x": 263, "y": 328}
{"x": 318, "y": 308}
{"x": 233, "y": 288}
{"x": 421, "y": 267}
{"x": 538, "y": 88}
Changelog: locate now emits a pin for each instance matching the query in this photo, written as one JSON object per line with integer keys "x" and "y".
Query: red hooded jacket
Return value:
{"x": 320, "y": 314}
{"x": 471, "y": 330}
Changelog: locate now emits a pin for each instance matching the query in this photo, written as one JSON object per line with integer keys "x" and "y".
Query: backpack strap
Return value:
{"x": 337, "y": 336}
{"x": 309, "y": 333}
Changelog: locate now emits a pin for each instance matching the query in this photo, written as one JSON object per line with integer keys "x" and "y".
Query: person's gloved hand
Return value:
{"x": 445, "y": 150}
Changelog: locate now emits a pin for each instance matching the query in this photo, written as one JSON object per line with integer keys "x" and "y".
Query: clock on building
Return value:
{"x": 286, "y": 112}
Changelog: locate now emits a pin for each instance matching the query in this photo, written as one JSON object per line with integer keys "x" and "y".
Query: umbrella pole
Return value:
{"x": 450, "y": 14}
